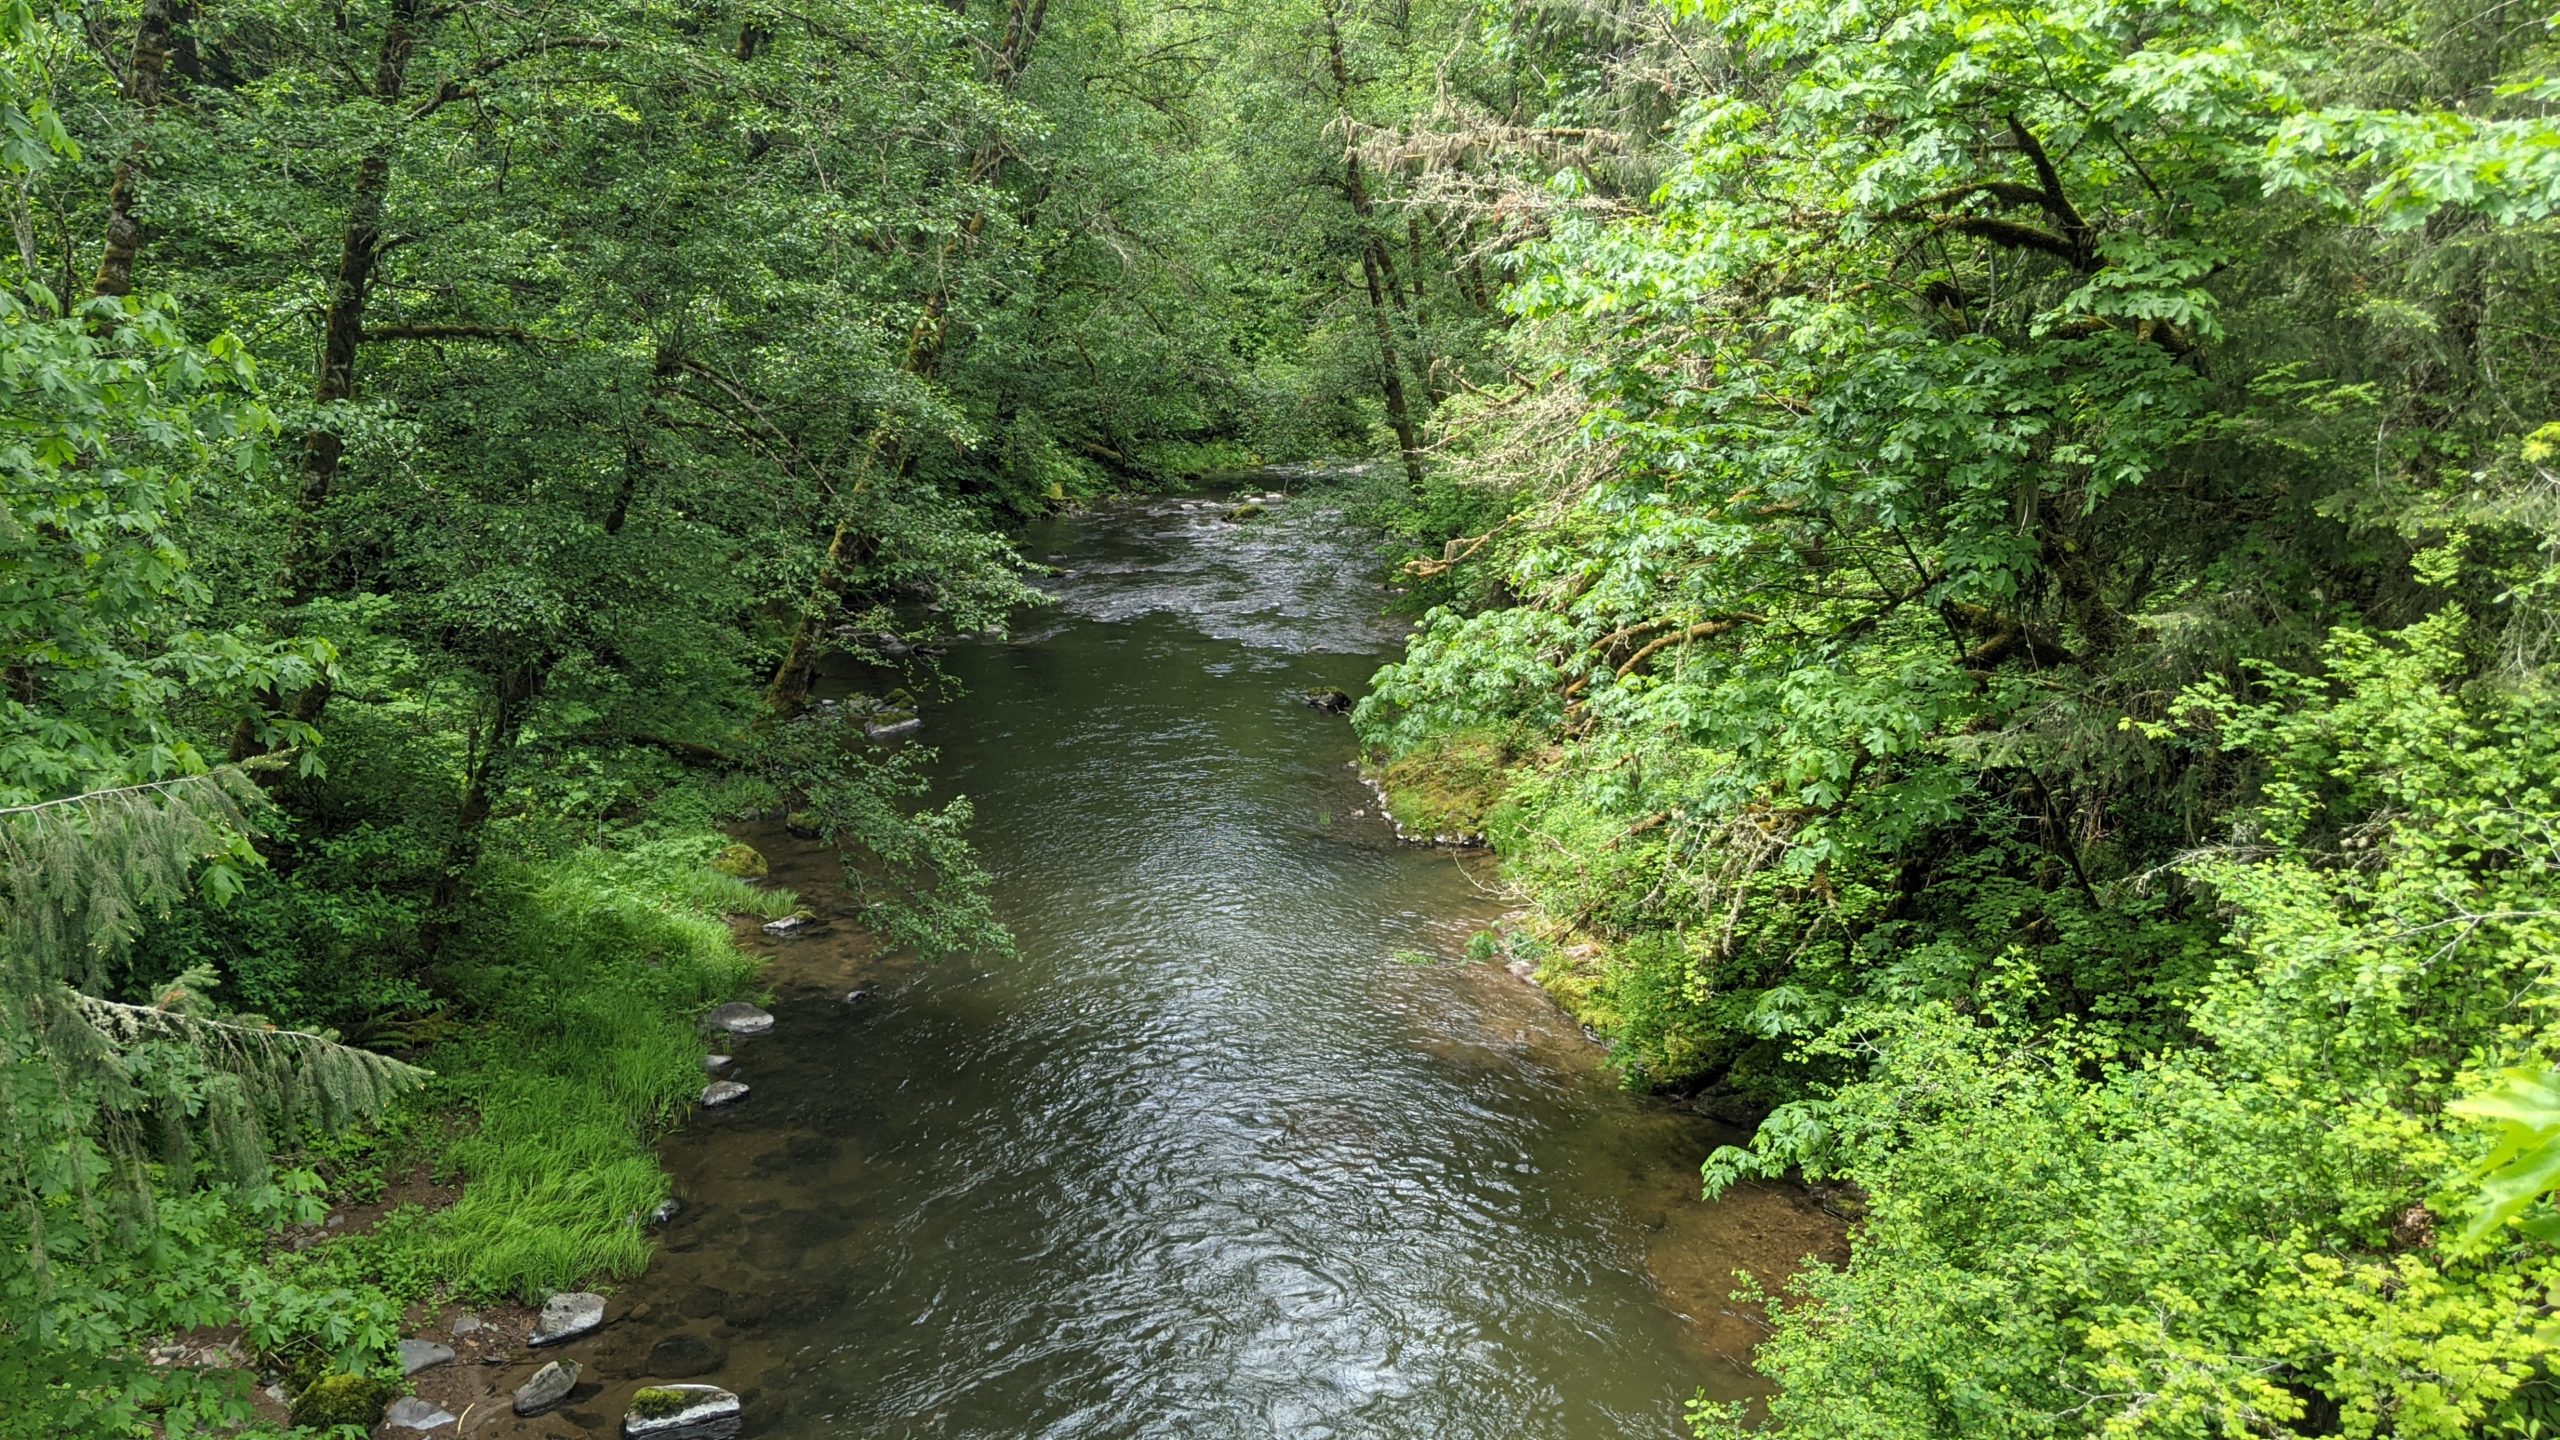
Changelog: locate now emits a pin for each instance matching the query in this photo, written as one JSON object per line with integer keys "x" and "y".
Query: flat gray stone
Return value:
{"x": 417, "y": 1355}
{"x": 549, "y": 1386}
{"x": 411, "y": 1413}
{"x": 706, "y": 1413}
{"x": 740, "y": 1018}
{"x": 723, "y": 1092}
{"x": 892, "y": 729}
{"x": 788, "y": 925}
{"x": 567, "y": 1316}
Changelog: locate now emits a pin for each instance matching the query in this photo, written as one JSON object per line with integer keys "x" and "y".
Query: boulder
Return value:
{"x": 801, "y": 824}
{"x": 549, "y": 1386}
{"x": 681, "y": 1412}
{"x": 723, "y": 1092}
{"x": 417, "y": 1355}
{"x": 742, "y": 861}
{"x": 683, "y": 1356}
{"x": 740, "y": 1018}
{"x": 567, "y": 1316}
{"x": 411, "y": 1413}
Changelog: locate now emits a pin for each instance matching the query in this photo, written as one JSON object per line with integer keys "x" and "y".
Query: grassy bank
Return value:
{"x": 586, "y": 970}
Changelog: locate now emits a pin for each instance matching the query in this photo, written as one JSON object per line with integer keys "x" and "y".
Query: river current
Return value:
{"x": 1234, "y": 1144}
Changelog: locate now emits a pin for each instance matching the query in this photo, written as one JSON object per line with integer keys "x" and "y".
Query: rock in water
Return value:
{"x": 741, "y": 861}
{"x": 549, "y": 1386}
{"x": 417, "y": 1355}
{"x": 891, "y": 726}
{"x": 411, "y": 1413}
{"x": 788, "y": 925}
{"x": 856, "y": 997}
{"x": 681, "y": 1412}
{"x": 567, "y": 1316}
{"x": 740, "y": 1018}
{"x": 682, "y": 1356}
{"x": 714, "y": 1064}
{"x": 1331, "y": 702}
{"x": 666, "y": 1210}
{"x": 723, "y": 1092}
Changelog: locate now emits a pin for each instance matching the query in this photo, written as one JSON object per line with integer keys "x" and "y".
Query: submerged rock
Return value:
{"x": 666, "y": 1210}
{"x": 417, "y": 1355}
{"x": 714, "y": 1064}
{"x": 681, "y": 1412}
{"x": 683, "y": 1356}
{"x": 723, "y": 1092}
{"x": 411, "y": 1413}
{"x": 1249, "y": 510}
{"x": 740, "y": 1018}
{"x": 1331, "y": 702}
{"x": 566, "y": 1316}
{"x": 549, "y": 1386}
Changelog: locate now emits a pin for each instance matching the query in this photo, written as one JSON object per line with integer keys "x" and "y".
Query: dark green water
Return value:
{"x": 1205, "y": 1158}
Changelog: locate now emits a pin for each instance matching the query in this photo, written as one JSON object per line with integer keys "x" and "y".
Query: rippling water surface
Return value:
{"x": 1210, "y": 1156}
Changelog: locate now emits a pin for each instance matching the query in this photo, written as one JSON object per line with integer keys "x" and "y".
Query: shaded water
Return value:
{"x": 1210, "y": 1156}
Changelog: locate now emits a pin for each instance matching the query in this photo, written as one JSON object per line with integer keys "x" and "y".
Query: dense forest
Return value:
{"x": 1988, "y": 573}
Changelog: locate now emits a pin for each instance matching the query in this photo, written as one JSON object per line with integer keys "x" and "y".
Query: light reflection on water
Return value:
{"x": 1204, "y": 1158}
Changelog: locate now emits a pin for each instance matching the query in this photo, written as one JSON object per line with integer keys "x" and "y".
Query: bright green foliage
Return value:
{"x": 2034, "y": 670}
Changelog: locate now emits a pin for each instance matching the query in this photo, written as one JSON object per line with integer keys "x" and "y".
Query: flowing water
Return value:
{"x": 1213, "y": 1154}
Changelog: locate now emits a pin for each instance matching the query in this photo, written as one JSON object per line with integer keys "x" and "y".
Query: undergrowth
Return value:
{"x": 582, "y": 973}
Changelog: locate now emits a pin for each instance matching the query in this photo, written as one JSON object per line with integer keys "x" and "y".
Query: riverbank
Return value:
{"x": 527, "y": 1165}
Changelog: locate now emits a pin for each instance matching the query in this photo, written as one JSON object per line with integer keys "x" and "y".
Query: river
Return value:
{"x": 1213, "y": 1154}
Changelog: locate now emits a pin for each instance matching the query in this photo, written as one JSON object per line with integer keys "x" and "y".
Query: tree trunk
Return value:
{"x": 1376, "y": 265}
{"x": 1391, "y": 370}
{"x": 341, "y": 334}
{"x": 886, "y": 452}
{"x": 150, "y": 63}
{"x": 515, "y": 695}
